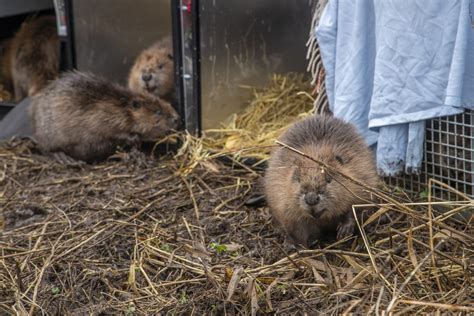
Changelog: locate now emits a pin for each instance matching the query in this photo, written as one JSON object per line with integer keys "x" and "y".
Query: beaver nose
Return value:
{"x": 146, "y": 77}
{"x": 311, "y": 198}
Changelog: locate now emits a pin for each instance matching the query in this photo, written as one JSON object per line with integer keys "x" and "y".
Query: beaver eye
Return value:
{"x": 161, "y": 66}
{"x": 297, "y": 175}
{"x": 158, "y": 112}
{"x": 339, "y": 160}
{"x": 328, "y": 178}
{"x": 135, "y": 104}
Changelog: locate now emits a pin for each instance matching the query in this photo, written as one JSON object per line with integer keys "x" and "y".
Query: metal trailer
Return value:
{"x": 218, "y": 46}
{"x": 12, "y": 14}
{"x": 235, "y": 43}
{"x": 103, "y": 37}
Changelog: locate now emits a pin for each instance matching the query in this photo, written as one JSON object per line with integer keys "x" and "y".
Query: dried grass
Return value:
{"x": 141, "y": 235}
{"x": 271, "y": 110}
{"x": 136, "y": 235}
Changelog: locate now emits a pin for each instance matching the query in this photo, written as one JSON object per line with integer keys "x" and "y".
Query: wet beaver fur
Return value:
{"x": 153, "y": 71}
{"x": 87, "y": 117}
{"x": 306, "y": 201}
{"x": 34, "y": 54}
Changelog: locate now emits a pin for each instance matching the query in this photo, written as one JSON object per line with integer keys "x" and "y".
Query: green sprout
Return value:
{"x": 218, "y": 247}
{"x": 55, "y": 290}
{"x": 165, "y": 247}
{"x": 183, "y": 299}
{"x": 424, "y": 194}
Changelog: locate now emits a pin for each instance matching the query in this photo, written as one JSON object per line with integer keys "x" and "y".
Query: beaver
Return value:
{"x": 153, "y": 71}
{"x": 35, "y": 55}
{"x": 5, "y": 65}
{"x": 86, "y": 117}
{"x": 306, "y": 200}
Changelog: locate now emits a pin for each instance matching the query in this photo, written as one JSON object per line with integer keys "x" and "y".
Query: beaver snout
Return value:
{"x": 146, "y": 77}
{"x": 311, "y": 198}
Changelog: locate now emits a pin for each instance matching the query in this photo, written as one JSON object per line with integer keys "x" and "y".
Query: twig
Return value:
{"x": 411, "y": 275}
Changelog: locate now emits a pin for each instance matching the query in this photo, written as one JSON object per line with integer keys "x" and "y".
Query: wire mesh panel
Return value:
{"x": 448, "y": 157}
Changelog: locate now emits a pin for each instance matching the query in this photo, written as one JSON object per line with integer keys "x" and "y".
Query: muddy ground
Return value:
{"x": 140, "y": 234}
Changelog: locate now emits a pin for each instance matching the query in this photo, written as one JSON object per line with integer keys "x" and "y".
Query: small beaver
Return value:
{"x": 308, "y": 201}
{"x": 153, "y": 71}
{"x": 34, "y": 55}
{"x": 87, "y": 117}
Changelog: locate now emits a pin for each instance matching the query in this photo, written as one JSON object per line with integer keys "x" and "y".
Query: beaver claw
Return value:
{"x": 346, "y": 228}
{"x": 64, "y": 159}
{"x": 256, "y": 200}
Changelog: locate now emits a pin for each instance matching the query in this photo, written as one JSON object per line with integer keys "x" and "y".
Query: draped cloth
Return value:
{"x": 392, "y": 64}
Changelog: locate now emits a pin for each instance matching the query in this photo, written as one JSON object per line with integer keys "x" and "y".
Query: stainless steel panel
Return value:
{"x": 243, "y": 42}
{"x": 191, "y": 108}
{"x": 109, "y": 34}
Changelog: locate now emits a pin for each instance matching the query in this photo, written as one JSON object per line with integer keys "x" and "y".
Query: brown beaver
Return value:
{"x": 5, "y": 65}
{"x": 307, "y": 201}
{"x": 34, "y": 55}
{"x": 153, "y": 71}
{"x": 87, "y": 117}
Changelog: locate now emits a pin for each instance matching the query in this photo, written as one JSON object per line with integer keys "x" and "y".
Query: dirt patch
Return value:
{"x": 134, "y": 235}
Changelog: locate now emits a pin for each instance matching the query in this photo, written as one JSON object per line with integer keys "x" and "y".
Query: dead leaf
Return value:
{"x": 268, "y": 292}
{"x": 376, "y": 215}
{"x": 265, "y": 280}
{"x": 252, "y": 293}
{"x": 352, "y": 263}
{"x": 412, "y": 255}
{"x": 315, "y": 266}
{"x": 447, "y": 234}
{"x": 359, "y": 277}
{"x": 131, "y": 274}
{"x": 288, "y": 276}
{"x": 197, "y": 250}
{"x": 212, "y": 167}
{"x": 228, "y": 272}
{"x": 234, "y": 281}
{"x": 349, "y": 276}
{"x": 318, "y": 265}
{"x": 232, "y": 247}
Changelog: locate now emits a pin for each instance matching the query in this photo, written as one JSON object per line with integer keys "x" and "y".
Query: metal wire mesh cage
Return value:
{"x": 448, "y": 158}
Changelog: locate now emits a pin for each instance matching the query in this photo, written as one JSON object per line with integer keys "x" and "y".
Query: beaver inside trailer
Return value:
{"x": 13, "y": 115}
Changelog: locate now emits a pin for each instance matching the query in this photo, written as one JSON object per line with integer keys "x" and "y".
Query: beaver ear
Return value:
{"x": 297, "y": 162}
{"x": 170, "y": 56}
{"x": 339, "y": 160}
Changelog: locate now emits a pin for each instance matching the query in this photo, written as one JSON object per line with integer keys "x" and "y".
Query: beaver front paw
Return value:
{"x": 64, "y": 159}
{"x": 346, "y": 227}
